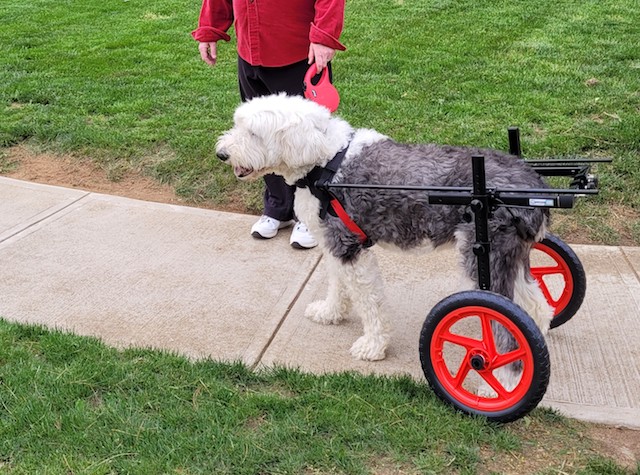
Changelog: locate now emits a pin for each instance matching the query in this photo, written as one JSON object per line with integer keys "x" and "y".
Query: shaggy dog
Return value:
{"x": 295, "y": 138}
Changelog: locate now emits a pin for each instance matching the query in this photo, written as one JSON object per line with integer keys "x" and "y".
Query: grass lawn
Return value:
{"x": 72, "y": 405}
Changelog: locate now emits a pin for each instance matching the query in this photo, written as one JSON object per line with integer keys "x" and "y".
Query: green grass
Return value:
{"x": 70, "y": 404}
{"x": 121, "y": 81}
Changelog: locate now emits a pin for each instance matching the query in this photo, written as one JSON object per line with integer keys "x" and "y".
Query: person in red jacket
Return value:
{"x": 277, "y": 41}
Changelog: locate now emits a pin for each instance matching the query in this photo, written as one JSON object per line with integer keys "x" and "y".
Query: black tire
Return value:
{"x": 536, "y": 365}
{"x": 570, "y": 261}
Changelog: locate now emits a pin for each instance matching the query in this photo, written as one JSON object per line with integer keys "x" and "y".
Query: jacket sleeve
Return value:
{"x": 328, "y": 22}
{"x": 216, "y": 17}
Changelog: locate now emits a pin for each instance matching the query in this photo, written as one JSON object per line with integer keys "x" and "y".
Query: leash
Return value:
{"x": 317, "y": 180}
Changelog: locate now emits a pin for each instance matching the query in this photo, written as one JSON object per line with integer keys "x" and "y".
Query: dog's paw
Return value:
{"x": 320, "y": 312}
{"x": 369, "y": 348}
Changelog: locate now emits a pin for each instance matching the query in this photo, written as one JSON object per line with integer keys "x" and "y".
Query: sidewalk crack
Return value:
{"x": 285, "y": 315}
{"x": 628, "y": 261}
{"x": 54, "y": 210}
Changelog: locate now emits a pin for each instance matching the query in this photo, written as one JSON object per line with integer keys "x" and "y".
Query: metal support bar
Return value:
{"x": 514, "y": 141}
{"x": 560, "y": 170}
{"x": 517, "y": 200}
{"x": 567, "y": 161}
{"x": 481, "y": 208}
{"x": 463, "y": 196}
{"x": 578, "y": 167}
{"x": 457, "y": 190}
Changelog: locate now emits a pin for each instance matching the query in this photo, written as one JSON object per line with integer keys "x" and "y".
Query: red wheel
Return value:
{"x": 561, "y": 277}
{"x": 460, "y": 352}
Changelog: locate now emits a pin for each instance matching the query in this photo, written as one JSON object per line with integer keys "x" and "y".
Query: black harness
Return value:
{"x": 317, "y": 180}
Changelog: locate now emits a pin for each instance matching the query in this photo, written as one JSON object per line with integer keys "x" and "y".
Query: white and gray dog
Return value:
{"x": 296, "y": 138}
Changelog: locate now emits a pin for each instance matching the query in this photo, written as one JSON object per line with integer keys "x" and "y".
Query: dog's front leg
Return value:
{"x": 364, "y": 283}
{"x": 336, "y": 306}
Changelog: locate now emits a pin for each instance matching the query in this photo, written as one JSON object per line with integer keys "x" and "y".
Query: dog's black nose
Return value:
{"x": 222, "y": 155}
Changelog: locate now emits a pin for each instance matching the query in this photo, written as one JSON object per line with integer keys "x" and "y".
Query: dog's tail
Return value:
{"x": 530, "y": 225}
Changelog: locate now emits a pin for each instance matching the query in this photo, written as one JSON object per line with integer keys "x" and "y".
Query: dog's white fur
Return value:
{"x": 289, "y": 136}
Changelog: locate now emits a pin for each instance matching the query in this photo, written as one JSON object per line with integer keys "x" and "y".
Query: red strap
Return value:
{"x": 346, "y": 219}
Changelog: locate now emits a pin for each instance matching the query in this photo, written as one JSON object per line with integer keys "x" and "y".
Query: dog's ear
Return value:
{"x": 317, "y": 117}
{"x": 304, "y": 136}
{"x": 251, "y": 123}
{"x": 320, "y": 118}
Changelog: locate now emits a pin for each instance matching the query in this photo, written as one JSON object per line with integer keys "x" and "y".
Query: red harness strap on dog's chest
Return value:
{"x": 346, "y": 219}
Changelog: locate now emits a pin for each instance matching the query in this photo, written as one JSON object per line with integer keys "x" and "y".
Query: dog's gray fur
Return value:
{"x": 406, "y": 220}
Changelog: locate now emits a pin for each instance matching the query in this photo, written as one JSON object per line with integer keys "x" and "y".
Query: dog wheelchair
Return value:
{"x": 456, "y": 346}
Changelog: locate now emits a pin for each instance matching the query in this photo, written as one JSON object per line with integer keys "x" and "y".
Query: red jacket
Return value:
{"x": 272, "y": 33}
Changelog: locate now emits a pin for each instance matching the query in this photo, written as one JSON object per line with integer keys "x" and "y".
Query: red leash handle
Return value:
{"x": 323, "y": 92}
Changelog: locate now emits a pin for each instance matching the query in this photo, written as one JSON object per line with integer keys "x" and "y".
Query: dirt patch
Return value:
{"x": 622, "y": 445}
{"x": 72, "y": 172}
{"x": 563, "y": 451}
{"x": 599, "y": 225}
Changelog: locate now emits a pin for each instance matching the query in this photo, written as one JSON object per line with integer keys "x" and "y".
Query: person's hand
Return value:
{"x": 321, "y": 55}
{"x": 208, "y": 52}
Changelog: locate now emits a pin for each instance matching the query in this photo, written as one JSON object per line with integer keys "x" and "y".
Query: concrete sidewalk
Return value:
{"x": 136, "y": 273}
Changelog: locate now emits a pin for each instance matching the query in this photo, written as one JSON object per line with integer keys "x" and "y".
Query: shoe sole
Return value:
{"x": 257, "y": 235}
{"x": 297, "y": 245}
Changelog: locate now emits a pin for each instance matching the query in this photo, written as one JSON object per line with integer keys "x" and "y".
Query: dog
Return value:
{"x": 297, "y": 138}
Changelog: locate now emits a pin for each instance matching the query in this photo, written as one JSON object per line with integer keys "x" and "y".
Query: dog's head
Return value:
{"x": 278, "y": 134}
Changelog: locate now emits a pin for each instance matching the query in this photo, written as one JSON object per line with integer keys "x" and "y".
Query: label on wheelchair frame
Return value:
{"x": 541, "y": 202}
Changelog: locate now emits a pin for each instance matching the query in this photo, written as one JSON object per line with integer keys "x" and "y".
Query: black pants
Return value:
{"x": 257, "y": 81}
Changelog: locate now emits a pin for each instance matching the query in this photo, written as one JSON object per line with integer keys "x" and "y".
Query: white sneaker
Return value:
{"x": 266, "y": 227}
{"x": 301, "y": 238}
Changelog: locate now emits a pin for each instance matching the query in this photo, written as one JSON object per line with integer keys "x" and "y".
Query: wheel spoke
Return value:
{"x": 495, "y": 384}
{"x": 466, "y": 342}
{"x": 547, "y": 270}
{"x": 547, "y": 293}
{"x": 502, "y": 360}
{"x": 462, "y": 373}
{"x": 487, "y": 335}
